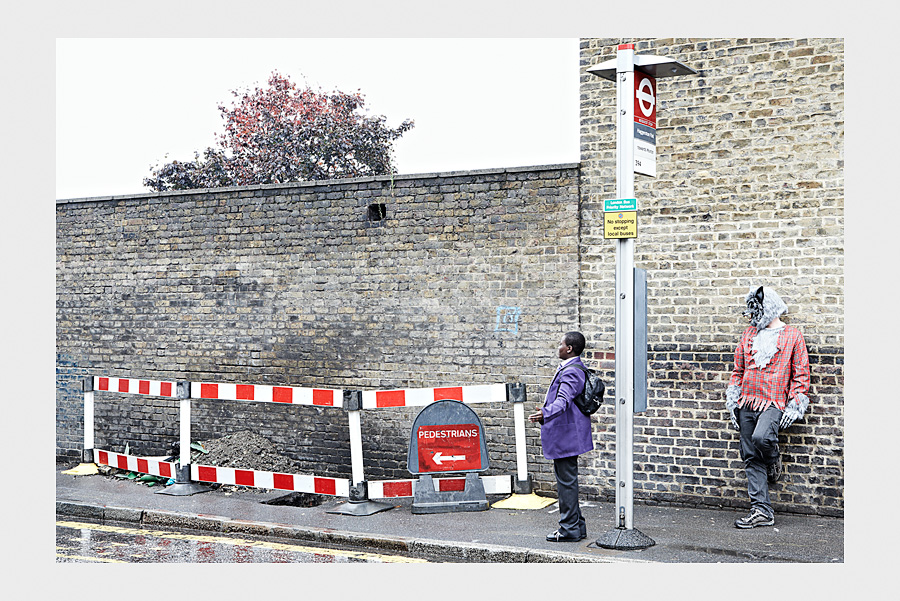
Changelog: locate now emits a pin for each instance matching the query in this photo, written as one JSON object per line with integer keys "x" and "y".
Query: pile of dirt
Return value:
{"x": 243, "y": 450}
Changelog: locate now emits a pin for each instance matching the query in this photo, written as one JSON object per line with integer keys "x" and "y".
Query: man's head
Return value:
{"x": 763, "y": 306}
{"x": 571, "y": 345}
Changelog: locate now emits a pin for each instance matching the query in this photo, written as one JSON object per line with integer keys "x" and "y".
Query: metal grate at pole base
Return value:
{"x": 627, "y": 539}
{"x": 359, "y": 503}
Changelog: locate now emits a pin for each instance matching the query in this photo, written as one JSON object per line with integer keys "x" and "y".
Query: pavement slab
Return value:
{"x": 502, "y": 535}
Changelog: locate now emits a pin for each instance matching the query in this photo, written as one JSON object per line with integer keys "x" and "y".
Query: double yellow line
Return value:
{"x": 224, "y": 540}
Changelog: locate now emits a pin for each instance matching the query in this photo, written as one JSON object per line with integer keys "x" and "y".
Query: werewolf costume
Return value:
{"x": 767, "y": 391}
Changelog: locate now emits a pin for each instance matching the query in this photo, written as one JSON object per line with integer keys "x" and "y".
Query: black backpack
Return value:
{"x": 592, "y": 396}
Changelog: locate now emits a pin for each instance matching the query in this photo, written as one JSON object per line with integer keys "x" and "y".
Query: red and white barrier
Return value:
{"x": 417, "y": 397}
{"x": 226, "y": 475}
{"x": 164, "y": 469}
{"x": 385, "y": 489}
{"x": 267, "y": 394}
{"x": 134, "y": 386}
{"x": 374, "y": 399}
{"x": 339, "y": 487}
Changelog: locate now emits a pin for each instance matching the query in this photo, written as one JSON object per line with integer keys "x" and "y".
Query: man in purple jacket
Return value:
{"x": 565, "y": 434}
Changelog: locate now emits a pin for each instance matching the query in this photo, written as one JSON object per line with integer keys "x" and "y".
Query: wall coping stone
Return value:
{"x": 324, "y": 182}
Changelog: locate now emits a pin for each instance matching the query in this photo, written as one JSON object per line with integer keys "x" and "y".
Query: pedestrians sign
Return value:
{"x": 447, "y": 436}
{"x": 449, "y": 448}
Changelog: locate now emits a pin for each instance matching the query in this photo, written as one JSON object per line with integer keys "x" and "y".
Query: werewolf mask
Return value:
{"x": 763, "y": 306}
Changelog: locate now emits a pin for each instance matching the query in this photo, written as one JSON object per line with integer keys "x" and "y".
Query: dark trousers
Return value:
{"x": 759, "y": 448}
{"x": 571, "y": 522}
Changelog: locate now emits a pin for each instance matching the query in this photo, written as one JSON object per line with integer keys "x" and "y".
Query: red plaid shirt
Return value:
{"x": 786, "y": 374}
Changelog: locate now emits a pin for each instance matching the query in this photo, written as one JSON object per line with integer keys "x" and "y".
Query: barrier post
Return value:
{"x": 359, "y": 503}
{"x": 87, "y": 467}
{"x": 183, "y": 485}
{"x": 516, "y": 394}
{"x": 523, "y": 496}
{"x": 87, "y": 385}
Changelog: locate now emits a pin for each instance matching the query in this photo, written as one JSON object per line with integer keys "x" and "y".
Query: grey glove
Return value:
{"x": 794, "y": 410}
{"x": 732, "y": 396}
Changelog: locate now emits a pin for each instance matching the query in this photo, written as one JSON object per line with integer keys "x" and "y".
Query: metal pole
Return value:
{"x": 621, "y": 70}
{"x": 624, "y": 291}
{"x": 625, "y": 536}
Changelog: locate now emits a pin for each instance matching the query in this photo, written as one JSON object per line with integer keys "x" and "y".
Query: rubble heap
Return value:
{"x": 244, "y": 450}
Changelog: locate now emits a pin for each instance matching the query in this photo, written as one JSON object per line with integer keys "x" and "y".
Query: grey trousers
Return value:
{"x": 571, "y": 522}
{"x": 759, "y": 448}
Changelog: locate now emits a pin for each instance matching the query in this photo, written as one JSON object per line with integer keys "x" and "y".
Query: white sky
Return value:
{"x": 122, "y": 105}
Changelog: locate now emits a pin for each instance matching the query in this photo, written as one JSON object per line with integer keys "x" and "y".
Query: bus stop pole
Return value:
{"x": 624, "y": 290}
{"x": 624, "y": 536}
{"x": 622, "y": 70}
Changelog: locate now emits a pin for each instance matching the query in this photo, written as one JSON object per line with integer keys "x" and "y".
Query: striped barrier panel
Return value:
{"x": 267, "y": 394}
{"x": 164, "y": 469}
{"x": 135, "y": 386}
{"x": 226, "y": 475}
{"x": 418, "y": 397}
{"x": 339, "y": 487}
{"x": 385, "y": 489}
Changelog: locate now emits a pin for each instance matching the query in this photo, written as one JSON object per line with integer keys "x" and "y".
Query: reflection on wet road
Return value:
{"x": 85, "y": 542}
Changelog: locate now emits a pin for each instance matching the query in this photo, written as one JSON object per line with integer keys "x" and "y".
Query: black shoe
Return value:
{"x": 756, "y": 518}
{"x": 556, "y": 537}
{"x": 774, "y": 471}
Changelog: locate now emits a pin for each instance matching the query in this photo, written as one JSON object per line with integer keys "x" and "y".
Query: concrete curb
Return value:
{"x": 471, "y": 552}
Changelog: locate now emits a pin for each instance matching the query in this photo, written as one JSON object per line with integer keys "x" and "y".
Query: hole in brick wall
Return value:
{"x": 377, "y": 211}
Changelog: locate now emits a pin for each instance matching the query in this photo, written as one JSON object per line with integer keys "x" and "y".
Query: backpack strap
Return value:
{"x": 578, "y": 365}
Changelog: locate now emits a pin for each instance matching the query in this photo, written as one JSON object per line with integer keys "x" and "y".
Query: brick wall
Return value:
{"x": 749, "y": 190}
{"x": 468, "y": 278}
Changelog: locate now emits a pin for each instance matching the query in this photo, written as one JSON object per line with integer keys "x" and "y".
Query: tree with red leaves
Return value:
{"x": 285, "y": 133}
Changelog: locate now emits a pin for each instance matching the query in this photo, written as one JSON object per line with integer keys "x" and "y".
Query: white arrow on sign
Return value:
{"x": 439, "y": 458}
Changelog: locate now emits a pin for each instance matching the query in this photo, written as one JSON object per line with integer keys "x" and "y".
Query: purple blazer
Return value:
{"x": 566, "y": 431}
